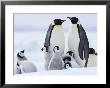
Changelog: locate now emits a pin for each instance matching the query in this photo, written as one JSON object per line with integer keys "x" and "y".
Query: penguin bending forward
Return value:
{"x": 23, "y": 65}
{"x": 56, "y": 62}
{"x": 78, "y": 42}
{"x": 55, "y": 36}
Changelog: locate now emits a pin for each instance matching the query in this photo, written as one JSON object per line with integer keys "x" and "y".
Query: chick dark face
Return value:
{"x": 67, "y": 59}
{"x": 74, "y": 20}
{"x": 58, "y": 21}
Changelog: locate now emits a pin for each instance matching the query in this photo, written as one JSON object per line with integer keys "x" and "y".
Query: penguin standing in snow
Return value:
{"x": 47, "y": 56}
{"x": 20, "y": 57}
{"x": 55, "y": 36}
{"x": 69, "y": 59}
{"x": 23, "y": 65}
{"x": 78, "y": 42}
{"x": 92, "y": 61}
{"x": 56, "y": 62}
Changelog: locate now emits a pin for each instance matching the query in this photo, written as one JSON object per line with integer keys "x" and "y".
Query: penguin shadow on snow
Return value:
{"x": 23, "y": 65}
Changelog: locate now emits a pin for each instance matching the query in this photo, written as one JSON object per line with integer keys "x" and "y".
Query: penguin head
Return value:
{"x": 56, "y": 49}
{"x": 21, "y": 54}
{"x": 70, "y": 53}
{"x": 74, "y": 20}
{"x": 67, "y": 65}
{"x": 66, "y": 58}
{"x": 92, "y": 51}
{"x": 58, "y": 21}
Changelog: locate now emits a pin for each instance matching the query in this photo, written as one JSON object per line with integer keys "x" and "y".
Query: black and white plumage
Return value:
{"x": 47, "y": 56}
{"x": 92, "y": 61}
{"x": 92, "y": 51}
{"x": 67, "y": 65}
{"x": 23, "y": 65}
{"x": 55, "y": 36}
{"x": 78, "y": 42}
{"x": 56, "y": 62}
{"x": 69, "y": 57}
{"x": 21, "y": 57}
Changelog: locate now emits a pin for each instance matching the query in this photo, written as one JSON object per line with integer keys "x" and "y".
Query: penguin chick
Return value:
{"x": 67, "y": 65}
{"x": 69, "y": 57}
{"x": 20, "y": 57}
{"x": 47, "y": 56}
{"x": 66, "y": 58}
{"x": 56, "y": 62}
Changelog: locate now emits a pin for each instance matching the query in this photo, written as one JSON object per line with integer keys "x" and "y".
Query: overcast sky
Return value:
{"x": 41, "y": 22}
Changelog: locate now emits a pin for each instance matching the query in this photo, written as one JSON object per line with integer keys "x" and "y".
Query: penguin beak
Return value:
{"x": 69, "y": 17}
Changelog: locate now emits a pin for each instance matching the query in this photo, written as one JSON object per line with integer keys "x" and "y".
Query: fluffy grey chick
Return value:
{"x": 20, "y": 57}
{"x": 56, "y": 62}
{"x": 47, "y": 56}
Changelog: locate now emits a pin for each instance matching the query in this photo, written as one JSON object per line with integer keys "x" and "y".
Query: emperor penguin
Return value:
{"x": 21, "y": 57}
{"x": 78, "y": 42}
{"x": 56, "y": 62}
{"x": 47, "y": 56}
{"x": 23, "y": 65}
{"x": 55, "y": 36}
{"x": 92, "y": 61}
{"x": 69, "y": 57}
{"x": 67, "y": 65}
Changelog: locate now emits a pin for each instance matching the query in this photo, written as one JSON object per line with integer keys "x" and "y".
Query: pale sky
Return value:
{"x": 41, "y": 22}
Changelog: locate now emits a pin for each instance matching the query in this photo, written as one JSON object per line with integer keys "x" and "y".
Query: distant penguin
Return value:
{"x": 78, "y": 42}
{"x": 92, "y": 61}
{"x": 20, "y": 57}
{"x": 23, "y": 65}
{"x": 67, "y": 65}
{"x": 92, "y": 51}
{"x": 47, "y": 56}
{"x": 56, "y": 62}
{"x": 55, "y": 36}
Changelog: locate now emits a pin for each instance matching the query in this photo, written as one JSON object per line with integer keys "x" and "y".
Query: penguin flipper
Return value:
{"x": 86, "y": 44}
{"x": 48, "y": 36}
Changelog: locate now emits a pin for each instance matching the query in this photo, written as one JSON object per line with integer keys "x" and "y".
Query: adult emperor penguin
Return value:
{"x": 55, "y": 36}
{"x": 56, "y": 62}
{"x": 78, "y": 42}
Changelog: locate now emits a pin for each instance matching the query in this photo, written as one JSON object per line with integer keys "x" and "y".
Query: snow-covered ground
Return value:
{"x": 32, "y": 42}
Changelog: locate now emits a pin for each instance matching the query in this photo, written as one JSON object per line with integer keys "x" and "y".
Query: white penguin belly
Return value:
{"x": 57, "y": 38}
{"x": 73, "y": 44}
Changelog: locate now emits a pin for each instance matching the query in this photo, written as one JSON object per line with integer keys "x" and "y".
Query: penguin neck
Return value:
{"x": 72, "y": 28}
{"x": 56, "y": 27}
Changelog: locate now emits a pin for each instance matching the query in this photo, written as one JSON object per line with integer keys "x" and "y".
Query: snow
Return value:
{"x": 32, "y": 41}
